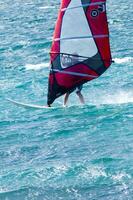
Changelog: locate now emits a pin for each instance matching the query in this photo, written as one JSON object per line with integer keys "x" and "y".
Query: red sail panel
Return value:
{"x": 80, "y": 49}
{"x": 55, "y": 49}
{"x": 99, "y": 26}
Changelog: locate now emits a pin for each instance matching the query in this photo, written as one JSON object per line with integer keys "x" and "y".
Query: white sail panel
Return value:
{"x": 76, "y": 37}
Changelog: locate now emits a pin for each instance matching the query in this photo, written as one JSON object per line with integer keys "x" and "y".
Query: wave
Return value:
{"x": 46, "y": 7}
{"x": 116, "y": 98}
{"x": 36, "y": 66}
{"x": 123, "y": 60}
{"x": 121, "y": 97}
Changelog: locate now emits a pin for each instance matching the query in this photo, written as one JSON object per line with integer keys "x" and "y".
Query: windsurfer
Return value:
{"x": 78, "y": 56}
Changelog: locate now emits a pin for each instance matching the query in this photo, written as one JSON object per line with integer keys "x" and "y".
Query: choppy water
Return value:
{"x": 74, "y": 153}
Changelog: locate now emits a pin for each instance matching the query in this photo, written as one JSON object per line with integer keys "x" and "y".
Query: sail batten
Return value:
{"x": 80, "y": 49}
{"x": 74, "y": 73}
{"x": 83, "y": 5}
{"x": 61, "y": 53}
{"x": 81, "y": 37}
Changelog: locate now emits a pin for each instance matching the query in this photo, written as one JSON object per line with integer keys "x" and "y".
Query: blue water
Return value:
{"x": 74, "y": 153}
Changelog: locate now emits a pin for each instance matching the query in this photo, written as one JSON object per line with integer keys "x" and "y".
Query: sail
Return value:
{"x": 80, "y": 49}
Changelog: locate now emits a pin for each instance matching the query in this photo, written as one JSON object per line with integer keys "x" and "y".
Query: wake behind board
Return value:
{"x": 25, "y": 105}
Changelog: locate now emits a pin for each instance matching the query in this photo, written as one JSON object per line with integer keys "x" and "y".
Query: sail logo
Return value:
{"x": 101, "y": 8}
{"x": 69, "y": 60}
{"x": 94, "y": 13}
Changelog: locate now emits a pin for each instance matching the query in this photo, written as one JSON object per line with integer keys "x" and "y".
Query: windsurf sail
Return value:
{"x": 80, "y": 49}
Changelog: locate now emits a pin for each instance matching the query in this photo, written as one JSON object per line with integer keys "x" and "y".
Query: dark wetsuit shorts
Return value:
{"x": 77, "y": 89}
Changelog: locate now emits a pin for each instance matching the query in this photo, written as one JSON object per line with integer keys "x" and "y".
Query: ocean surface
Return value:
{"x": 74, "y": 153}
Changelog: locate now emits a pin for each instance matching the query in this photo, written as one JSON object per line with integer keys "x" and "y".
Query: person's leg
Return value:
{"x": 81, "y": 98}
{"x": 66, "y": 98}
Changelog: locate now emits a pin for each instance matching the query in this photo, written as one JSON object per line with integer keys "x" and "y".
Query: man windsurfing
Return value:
{"x": 80, "y": 50}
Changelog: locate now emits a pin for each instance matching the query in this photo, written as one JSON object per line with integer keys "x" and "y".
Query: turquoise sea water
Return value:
{"x": 73, "y": 153}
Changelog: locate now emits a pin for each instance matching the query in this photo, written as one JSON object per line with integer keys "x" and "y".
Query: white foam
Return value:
{"x": 121, "y": 176}
{"x": 121, "y": 97}
{"x": 46, "y": 7}
{"x": 118, "y": 97}
{"x": 93, "y": 172}
{"x": 123, "y": 60}
{"x": 36, "y": 66}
